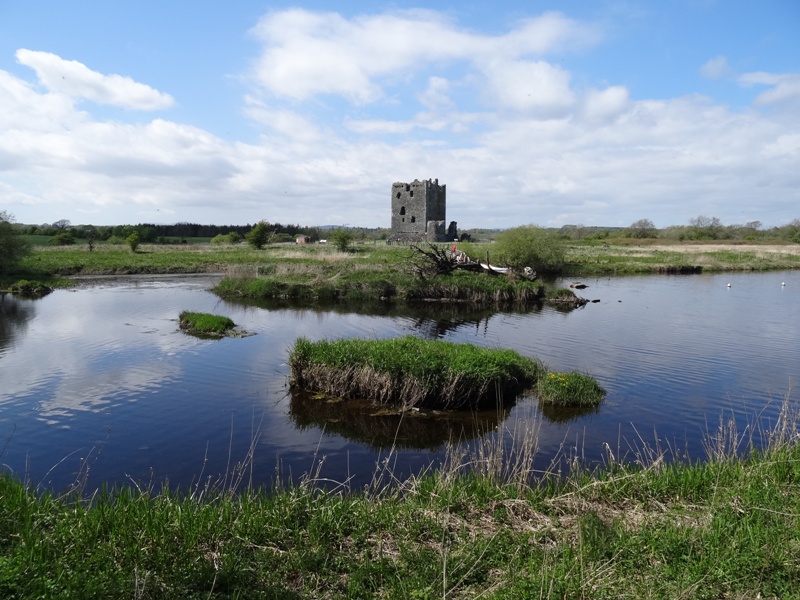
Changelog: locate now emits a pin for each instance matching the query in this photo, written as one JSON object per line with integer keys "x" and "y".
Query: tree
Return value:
{"x": 705, "y": 228}
{"x": 90, "y": 233}
{"x": 530, "y": 246}
{"x": 643, "y": 228}
{"x": 61, "y": 224}
{"x": 341, "y": 238}
{"x": 13, "y": 247}
{"x": 260, "y": 235}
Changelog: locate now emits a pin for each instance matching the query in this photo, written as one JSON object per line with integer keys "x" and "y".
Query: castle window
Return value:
{"x": 398, "y": 195}
{"x": 411, "y": 193}
{"x": 402, "y": 210}
{"x": 413, "y": 219}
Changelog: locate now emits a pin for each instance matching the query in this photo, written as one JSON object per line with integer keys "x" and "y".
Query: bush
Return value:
{"x": 226, "y": 238}
{"x": 530, "y": 246}
{"x": 133, "y": 241}
{"x": 342, "y": 238}
{"x": 65, "y": 238}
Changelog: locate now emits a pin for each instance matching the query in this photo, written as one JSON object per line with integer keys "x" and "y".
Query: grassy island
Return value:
{"x": 205, "y": 324}
{"x": 411, "y": 372}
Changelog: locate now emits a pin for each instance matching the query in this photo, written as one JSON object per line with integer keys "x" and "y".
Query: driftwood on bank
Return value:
{"x": 430, "y": 260}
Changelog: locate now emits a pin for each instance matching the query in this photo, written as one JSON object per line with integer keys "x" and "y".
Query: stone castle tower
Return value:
{"x": 418, "y": 211}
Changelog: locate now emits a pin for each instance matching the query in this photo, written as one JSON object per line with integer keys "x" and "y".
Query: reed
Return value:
{"x": 410, "y": 372}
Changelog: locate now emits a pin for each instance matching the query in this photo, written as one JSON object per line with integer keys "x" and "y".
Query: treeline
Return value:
{"x": 64, "y": 233}
{"x": 150, "y": 232}
{"x": 701, "y": 228}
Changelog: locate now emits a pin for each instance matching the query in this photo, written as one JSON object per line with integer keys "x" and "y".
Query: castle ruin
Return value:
{"x": 418, "y": 211}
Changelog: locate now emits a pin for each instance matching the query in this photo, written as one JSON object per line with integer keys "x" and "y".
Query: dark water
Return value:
{"x": 98, "y": 383}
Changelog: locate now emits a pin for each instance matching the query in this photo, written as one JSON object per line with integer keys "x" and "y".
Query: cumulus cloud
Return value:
{"x": 76, "y": 80}
{"x": 530, "y": 86}
{"x": 307, "y": 53}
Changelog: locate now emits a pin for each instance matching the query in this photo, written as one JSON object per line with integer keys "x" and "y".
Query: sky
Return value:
{"x": 582, "y": 112}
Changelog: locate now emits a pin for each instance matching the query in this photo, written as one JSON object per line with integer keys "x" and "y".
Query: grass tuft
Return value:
{"x": 569, "y": 389}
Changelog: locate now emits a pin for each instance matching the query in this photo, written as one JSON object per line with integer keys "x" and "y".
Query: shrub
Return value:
{"x": 133, "y": 241}
{"x": 65, "y": 238}
{"x": 342, "y": 239}
{"x": 231, "y": 237}
{"x": 569, "y": 389}
{"x": 530, "y": 246}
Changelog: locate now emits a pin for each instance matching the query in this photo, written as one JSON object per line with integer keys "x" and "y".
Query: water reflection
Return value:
{"x": 15, "y": 314}
{"x": 565, "y": 414}
{"x": 381, "y": 427}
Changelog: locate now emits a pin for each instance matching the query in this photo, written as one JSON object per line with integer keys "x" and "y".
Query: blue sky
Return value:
{"x": 588, "y": 112}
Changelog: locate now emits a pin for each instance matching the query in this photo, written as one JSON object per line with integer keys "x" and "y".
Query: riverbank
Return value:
{"x": 375, "y": 272}
{"x": 476, "y": 526}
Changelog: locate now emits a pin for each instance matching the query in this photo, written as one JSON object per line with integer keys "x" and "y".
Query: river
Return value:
{"x": 99, "y": 386}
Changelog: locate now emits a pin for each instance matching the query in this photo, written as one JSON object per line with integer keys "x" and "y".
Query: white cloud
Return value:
{"x": 605, "y": 105}
{"x": 308, "y": 53}
{"x": 75, "y": 80}
{"x": 784, "y": 87}
{"x": 530, "y": 86}
{"x": 716, "y": 68}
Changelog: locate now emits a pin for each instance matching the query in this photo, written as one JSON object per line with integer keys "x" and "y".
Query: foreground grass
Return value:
{"x": 725, "y": 528}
